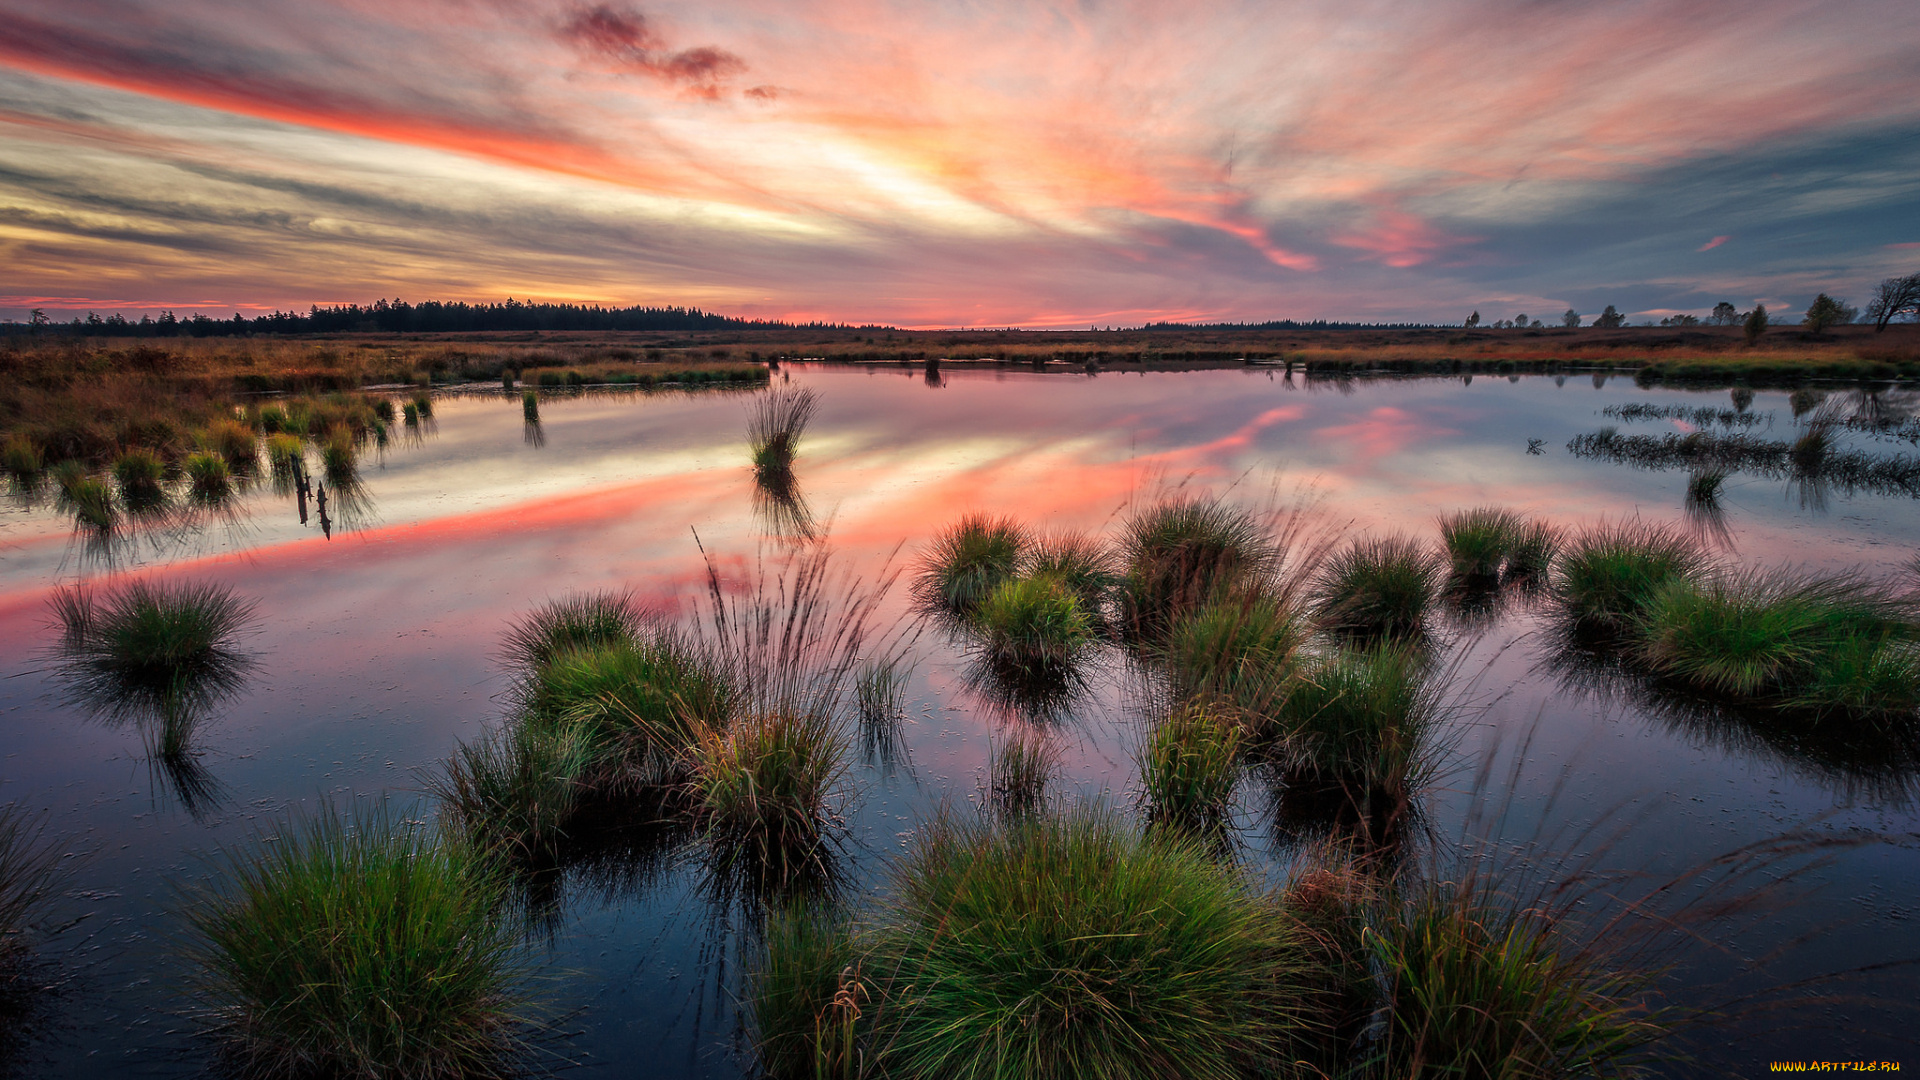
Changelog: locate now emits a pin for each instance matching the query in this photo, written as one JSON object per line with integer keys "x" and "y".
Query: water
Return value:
{"x": 377, "y": 652}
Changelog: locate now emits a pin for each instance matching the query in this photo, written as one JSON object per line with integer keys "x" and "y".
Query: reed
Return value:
{"x": 369, "y": 949}
{"x": 779, "y": 418}
{"x": 1055, "y": 947}
{"x": 423, "y": 405}
{"x": 1178, "y": 552}
{"x": 20, "y": 456}
{"x": 1607, "y": 573}
{"x": 530, "y": 406}
{"x": 30, "y": 870}
{"x": 969, "y": 561}
{"x": 1189, "y": 767}
{"x": 1378, "y": 588}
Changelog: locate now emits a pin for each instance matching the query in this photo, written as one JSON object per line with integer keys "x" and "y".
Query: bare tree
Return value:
{"x": 1892, "y": 298}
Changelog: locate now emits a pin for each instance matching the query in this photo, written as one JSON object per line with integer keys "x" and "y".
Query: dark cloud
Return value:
{"x": 622, "y": 37}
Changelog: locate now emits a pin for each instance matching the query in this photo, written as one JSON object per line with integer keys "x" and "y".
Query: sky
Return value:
{"x": 979, "y": 163}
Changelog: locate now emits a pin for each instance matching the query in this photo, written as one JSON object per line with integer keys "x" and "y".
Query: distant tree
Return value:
{"x": 1519, "y": 320}
{"x": 1825, "y": 311}
{"x": 1570, "y": 319}
{"x": 1473, "y": 320}
{"x": 1680, "y": 320}
{"x": 1609, "y": 319}
{"x": 1536, "y": 324}
{"x": 1724, "y": 314}
{"x": 1756, "y": 323}
{"x": 38, "y": 319}
{"x": 1893, "y": 298}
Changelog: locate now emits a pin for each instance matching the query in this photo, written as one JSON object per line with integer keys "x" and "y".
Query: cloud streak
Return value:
{"x": 1044, "y": 164}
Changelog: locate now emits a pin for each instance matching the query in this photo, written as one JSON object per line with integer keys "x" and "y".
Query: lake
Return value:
{"x": 378, "y": 641}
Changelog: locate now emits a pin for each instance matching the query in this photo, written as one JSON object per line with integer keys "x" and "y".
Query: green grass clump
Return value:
{"x": 1079, "y": 562}
{"x": 761, "y": 787}
{"x": 969, "y": 561}
{"x": 273, "y": 420}
{"x": 234, "y": 442}
{"x": 1360, "y": 721}
{"x": 383, "y": 410}
{"x": 1703, "y": 486}
{"x": 208, "y": 476}
{"x": 642, "y": 706}
{"x": 1378, "y": 588}
{"x": 88, "y": 499}
{"x": 365, "y": 950}
{"x": 423, "y": 405}
{"x": 1479, "y": 540}
{"x": 1179, "y": 552}
{"x": 1606, "y": 574}
{"x": 1482, "y": 988}
{"x": 1238, "y": 649}
{"x": 141, "y": 476}
{"x": 578, "y": 620}
{"x": 339, "y": 458}
{"x": 1033, "y": 625}
{"x": 20, "y": 456}
{"x": 515, "y": 791}
{"x": 285, "y": 450}
{"x": 1060, "y": 947}
{"x": 530, "y": 406}
{"x": 1531, "y": 554}
{"x": 779, "y": 418}
{"x": 1766, "y": 635}
{"x": 806, "y": 999}
{"x": 1190, "y": 766}
{"x": 411, "y": 413}
{"x": 153, "y": 650}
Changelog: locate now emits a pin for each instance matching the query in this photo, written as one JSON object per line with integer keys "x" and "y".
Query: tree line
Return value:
{"x": 1894, "y": 298}
{"x": 429, "y": 317}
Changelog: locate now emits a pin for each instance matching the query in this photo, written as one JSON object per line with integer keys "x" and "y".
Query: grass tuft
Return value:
{"x": 578, "y": 620}
{"x": 1190, "y": 766}
{"x": 1479, "y": 540}
{"x": 1022, "y": 767}
{"x": 1033, "y": 625}
{"x": 366, "y": 950}
{"x": 761, "y": 788}
{"x": 530, "y": 406}
{"x": 1237, "y": 650}
{"x": 1079, "y": 562}
{"x": 1360, "y": 721}
{"x": 1606, "y": 574}
{"x": 148, "y": 650}
{"x": 141, "y": 476}
{"x": 20, "y": 456}
{"x": 208, "y": 477}
{"x": 779, "y": 418}
{"x": 969, "y": 561}
{"x": 1378, "y": 588}
{"x": 1180, "y": 552}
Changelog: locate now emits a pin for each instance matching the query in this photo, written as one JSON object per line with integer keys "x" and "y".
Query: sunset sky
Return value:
{"x": 978, "y": 163}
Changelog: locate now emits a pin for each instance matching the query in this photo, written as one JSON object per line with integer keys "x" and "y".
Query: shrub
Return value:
{"x": 969, "y": 561}
{"x": 1180, "y": 551}
{"x": 370, "y": 950}
{"x": 1607, "y": 573}
{"x": 1378, "y": 587}
{"x": 1070, "y": 947}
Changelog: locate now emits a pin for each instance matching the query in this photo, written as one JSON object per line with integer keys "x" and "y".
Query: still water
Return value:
{"x": 377, "y": 651}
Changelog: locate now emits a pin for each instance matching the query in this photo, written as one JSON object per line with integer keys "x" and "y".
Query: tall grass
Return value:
{"x": 235, "y": 442}
{"x": 1056, "y": 947}
{"x": 21, "y": 456}
{"x": 1531, "y": 552}
{"x": 1380, "y": 587}
{"x": 969, "y": 560}
{"x": 643, "y": 706}
{"x": 1032, "y": 625}
{"x": 1239, "y": 650}
{"x": 1180, "y": 551}
{"x": 530, "y": 406}
{"x": 1077, "y": 561}
{"x": 365, "y": 949}
{"x": 779, "y": 418}
{"x": 141, "y": 476}
{"x": 1606, "y": 574}
{"x": 807, "y": 998}
{"x": 208, "y": 477}
{"x": 153, "y": 651}
{"x": 1189, "y": 767}
{"x": 1361, "y": 723}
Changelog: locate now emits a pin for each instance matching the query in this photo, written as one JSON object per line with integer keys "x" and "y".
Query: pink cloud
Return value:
{"x": 1713, "y": 243}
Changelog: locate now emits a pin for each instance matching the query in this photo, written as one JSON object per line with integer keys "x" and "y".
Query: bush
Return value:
{"x": 370, "y": 950}
{"x": 969, "y": 561}
{"x": 1378, "y": 587}
{"x": 1074, "y": 947}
